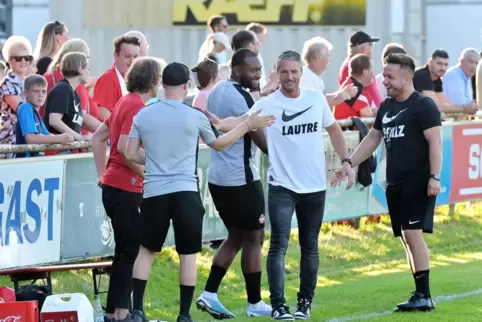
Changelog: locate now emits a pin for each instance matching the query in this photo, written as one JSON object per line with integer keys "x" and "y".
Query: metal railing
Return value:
{"x": 22, "y": 148}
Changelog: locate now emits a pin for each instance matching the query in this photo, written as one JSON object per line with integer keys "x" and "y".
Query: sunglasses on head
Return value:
{"x": 27, "y": 58}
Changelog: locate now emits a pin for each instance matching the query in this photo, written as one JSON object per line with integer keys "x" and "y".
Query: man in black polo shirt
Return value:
{"x": 428, "y": 81}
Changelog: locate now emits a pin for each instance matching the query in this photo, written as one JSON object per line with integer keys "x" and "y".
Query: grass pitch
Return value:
{"x": 363, "y": 274}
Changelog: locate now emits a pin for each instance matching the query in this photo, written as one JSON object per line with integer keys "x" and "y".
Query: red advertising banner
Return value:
{"x": 466, "y": 162}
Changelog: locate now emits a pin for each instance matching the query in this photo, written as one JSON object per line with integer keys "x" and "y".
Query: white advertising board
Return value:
{"x": 30, "y": 213}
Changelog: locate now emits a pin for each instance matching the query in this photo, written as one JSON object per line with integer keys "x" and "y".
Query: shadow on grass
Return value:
{"x": 354, "y": 265}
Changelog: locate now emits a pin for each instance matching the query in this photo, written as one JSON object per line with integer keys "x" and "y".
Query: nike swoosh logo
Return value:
{"x": 387, "y": 119}
{"x": 287, "y": 118}
{"x": 413, "y": 222}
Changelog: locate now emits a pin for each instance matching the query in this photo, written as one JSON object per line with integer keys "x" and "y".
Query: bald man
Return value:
{"x": 144, "y": 49}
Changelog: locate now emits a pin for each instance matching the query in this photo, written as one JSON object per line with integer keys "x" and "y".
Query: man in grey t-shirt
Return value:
{"x": 237, "y": 191}
{"x": 169, "y": 131}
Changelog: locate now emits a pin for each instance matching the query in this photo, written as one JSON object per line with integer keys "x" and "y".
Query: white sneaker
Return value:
{"x": 209, "y": 303}
{"x": 259, "y": 309}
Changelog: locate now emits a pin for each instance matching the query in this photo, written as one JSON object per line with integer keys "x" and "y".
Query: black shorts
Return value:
{"x": 410, "y": 208}
{"x": 240, "y": 207}
{"x": 186, "y": 211}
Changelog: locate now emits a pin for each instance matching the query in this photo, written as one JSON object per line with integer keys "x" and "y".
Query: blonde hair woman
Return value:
{"x": 54, "y": 75}
{"x": 52, "y": 36}
{"x": 17, "y": 52}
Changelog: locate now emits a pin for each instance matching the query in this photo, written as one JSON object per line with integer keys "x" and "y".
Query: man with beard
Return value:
{"x": 237, "y": 192}
{"x": 428, "y": 81}
{"x": 296, "y": 178}
{"x": 410, "y": 125}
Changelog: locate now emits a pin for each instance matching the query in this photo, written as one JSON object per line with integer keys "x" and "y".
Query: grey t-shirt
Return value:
{"x": 235, "y": 166}
{"x": 170, "y": 131}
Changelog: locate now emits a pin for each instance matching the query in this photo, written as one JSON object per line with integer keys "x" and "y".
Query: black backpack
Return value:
{"x": 34, "y": 292}
{"x": 367, "y": 167}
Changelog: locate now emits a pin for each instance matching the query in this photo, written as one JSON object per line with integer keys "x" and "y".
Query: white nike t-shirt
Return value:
{"x": 296, "y": 146}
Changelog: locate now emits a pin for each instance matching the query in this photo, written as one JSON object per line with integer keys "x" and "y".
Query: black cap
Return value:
{"x": 360, "y": 38}
{"x": 175, "y": 74}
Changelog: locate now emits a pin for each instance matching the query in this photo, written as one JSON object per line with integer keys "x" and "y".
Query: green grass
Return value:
{"x": 361, "y": 271}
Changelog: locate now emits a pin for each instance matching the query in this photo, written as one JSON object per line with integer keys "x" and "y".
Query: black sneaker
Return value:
{"x": 128, "y": 318}
{"x": 139, "y": 316}
{"x": 281, "y": 313}
{"x": 303, "y": 309}
{"x": 417, "y": 302}
{"x": 182, "y": 318}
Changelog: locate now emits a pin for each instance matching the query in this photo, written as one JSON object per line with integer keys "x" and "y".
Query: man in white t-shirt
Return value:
{"x": 297, "y": 178}
{"x": 214, "y": 24}
{"x": 316, "y": 56}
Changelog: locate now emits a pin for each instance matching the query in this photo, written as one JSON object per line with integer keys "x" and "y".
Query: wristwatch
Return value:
{"x": 435, "y": 176}
{"x": 346, "y": 160}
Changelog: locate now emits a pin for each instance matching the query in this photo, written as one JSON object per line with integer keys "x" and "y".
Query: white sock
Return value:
{"x": 209, "y": 295}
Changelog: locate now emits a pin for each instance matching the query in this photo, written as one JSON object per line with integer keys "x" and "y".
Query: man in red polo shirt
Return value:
{"x": 360, "y": 74}
{"x": 122, "y": 181}
{"x": 361, "y": 43}
{"x": 110, "y": 86}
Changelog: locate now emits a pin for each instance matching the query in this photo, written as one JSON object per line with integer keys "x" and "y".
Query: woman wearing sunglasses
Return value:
{"x": 17, "y": 52}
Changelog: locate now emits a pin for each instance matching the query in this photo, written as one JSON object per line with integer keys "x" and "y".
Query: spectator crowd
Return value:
{"x": 47, "y": 95}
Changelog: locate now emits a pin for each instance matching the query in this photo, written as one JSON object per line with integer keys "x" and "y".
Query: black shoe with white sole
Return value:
{"x": 303, "y": 309}
{"x": 281, "y": 313}
{"x": 418, "y": 302}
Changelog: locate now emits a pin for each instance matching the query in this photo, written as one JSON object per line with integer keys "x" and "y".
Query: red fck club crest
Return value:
{"x": 261, "y": 219}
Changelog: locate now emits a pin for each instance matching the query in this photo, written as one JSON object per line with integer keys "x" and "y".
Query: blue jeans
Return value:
{"x": 309, "y": 212}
